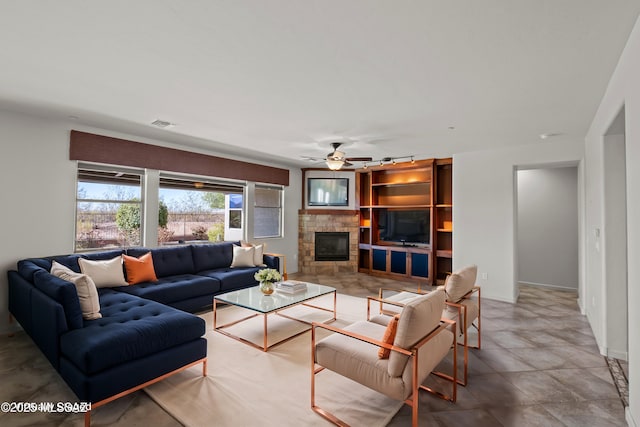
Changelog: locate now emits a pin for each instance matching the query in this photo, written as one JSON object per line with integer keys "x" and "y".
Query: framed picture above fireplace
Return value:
{"x": 328, "y": 191}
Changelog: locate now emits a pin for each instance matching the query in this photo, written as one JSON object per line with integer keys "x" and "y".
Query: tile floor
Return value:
{"x": 539, "y": 366}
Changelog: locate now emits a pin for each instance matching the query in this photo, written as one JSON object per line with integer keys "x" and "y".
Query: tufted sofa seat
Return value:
{"x": 130, "y": 328}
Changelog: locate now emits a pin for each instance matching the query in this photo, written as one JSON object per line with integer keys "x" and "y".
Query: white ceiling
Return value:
{"x": 280, "y": 79}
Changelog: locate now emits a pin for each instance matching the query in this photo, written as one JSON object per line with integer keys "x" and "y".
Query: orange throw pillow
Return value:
{"x": 139, "y": 269}
{"x": 388, "y": 337}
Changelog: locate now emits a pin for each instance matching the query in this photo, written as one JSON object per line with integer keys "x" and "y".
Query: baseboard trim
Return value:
{"x": 546, "y": 285}
{"x": 497, "y": 298}
{"x": 582, "y": 309}
{"x": 629, "y": 417}
{"x": 620, "y": 355}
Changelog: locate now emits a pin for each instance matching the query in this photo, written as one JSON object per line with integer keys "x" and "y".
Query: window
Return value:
{"x": 197, "y": 209}
{"x": 235, "y": 211}
{"x": 268, "y": 212}
{"x": 108, "y": 207}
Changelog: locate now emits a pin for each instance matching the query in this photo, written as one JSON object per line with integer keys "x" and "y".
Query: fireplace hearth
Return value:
{"x": 332, "y": 246}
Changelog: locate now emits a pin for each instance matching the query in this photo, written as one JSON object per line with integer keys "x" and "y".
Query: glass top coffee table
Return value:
{"x": 262, "y": 305}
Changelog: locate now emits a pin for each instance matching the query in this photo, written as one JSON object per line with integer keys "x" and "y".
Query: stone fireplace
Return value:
{"x": 338, "y": 242}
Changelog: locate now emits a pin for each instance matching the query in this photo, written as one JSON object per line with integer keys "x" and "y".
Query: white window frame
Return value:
{"x": 227, "y": 187}
{"x": 107, "y": 168}
{"x": 280, "y": 232}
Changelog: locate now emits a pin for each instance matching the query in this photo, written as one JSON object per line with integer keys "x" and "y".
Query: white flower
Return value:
{"x": 267, "y": 275}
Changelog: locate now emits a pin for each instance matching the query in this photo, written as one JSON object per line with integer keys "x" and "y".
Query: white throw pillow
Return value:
{"x": 243, "y": 257}
{"x": 57, "y": 269}
{"x": 86, "y": 289}
{"x": 106, "y": 273}
{"x": 258, "y": 252}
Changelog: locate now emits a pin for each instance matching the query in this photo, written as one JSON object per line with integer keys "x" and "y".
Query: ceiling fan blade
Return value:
{"x": 340, "y": 156}
{"x": 313, "y": 159}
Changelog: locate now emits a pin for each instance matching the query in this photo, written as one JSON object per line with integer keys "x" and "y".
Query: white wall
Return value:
{"x": 547, "y": 224}
{"x": 623, "y": 90}
{"x": 38, "y": 188}
{"x": 484, "y": 209}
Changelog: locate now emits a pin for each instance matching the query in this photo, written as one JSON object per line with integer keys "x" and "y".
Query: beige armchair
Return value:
{"x": 422, "y": 340}
{"x": 463, "y": 304}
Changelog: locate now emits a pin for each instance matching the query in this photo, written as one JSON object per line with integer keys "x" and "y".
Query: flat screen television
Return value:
{"x": 405, "y": 226}
{"x": 328, "y": 191}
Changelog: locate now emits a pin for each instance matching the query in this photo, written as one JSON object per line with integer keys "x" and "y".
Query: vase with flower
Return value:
{"x": 267, "y": 278}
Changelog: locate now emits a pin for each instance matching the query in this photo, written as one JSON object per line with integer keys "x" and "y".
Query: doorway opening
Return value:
{"x": 614, "y": 239}
{"x": 547, "y": 227}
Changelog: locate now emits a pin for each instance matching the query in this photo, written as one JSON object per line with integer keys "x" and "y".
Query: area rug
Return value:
{"x": 248, "y": 387}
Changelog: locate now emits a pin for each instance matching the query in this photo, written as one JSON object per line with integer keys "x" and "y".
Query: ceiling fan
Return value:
{"x": 337, "y": 159}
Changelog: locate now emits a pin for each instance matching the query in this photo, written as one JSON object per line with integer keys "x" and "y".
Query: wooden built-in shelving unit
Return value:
{"x": 406, "y": 191}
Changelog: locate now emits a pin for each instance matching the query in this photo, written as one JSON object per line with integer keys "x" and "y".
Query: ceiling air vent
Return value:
{"x": 162, "y": 124}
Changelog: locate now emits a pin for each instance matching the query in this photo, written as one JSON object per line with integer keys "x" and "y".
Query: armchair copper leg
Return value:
{"x": 479, "y": 328}
{"x": 324, "y": 414}
{"x": 413, "y": 402}
{"x": 466, "y": 348}
{"x": 465, "y": 332}
{"x": 313, "y": 367}
{"x": 463, "y": 319}
{"x": 453, "y": 378}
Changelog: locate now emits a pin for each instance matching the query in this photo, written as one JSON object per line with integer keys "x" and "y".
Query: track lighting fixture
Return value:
{"x": 386, "y": 160}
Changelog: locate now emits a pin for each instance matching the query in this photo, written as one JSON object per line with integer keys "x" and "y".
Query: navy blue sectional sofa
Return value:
{"x": 146, "y": 331}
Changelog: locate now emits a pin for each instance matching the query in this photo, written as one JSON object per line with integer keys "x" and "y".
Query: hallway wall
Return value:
{"x": 548, "y": 227}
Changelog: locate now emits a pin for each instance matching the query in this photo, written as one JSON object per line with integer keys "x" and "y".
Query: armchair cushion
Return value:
{"x": 418, "y": 317}
{"x": 459, "y": 283}
{"x": 359, "y": 360}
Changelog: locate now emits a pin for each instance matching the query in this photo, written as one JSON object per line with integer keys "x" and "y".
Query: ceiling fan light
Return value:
{"x": 334, "y": 165}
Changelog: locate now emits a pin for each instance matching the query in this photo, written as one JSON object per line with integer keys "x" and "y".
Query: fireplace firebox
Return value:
{"x": 332, "y": 246}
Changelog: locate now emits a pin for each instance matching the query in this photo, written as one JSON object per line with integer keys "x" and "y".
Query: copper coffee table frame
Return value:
{"x": 313, "y": 291}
